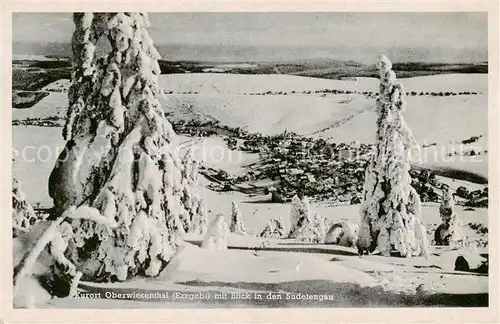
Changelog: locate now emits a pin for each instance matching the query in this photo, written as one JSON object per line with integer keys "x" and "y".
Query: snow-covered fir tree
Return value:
{"x": 343, "y": 233}
{"x": 390, "y": 211}
{"x": 449, "y": 232}
{"x": 305, "y": 226}
{"x": 195, "y": 220}
{"x": 236, "y": 225}
{"x": 23, "y": 215}
{"x": 216, "y": 236}
{"x": 300, "y": 215}
{"x": 119, "y": 156}
{"x": 199, "y": 223}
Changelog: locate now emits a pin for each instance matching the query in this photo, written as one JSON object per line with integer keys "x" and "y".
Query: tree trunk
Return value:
{"x": 390, "y": 212}
{"x": 118, "y": 156}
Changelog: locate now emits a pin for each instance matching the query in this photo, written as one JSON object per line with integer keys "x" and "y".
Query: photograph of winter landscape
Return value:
{"x": 250, "y": 160}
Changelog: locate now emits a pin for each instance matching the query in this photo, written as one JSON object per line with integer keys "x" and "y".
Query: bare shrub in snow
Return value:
{"x": 236, "y": 225}
{"x": 216, "y": 236}
{"x": 119, "y": 157}
{"x": 390, "y": 212}
{"x": 274, "y": 229}
{"x": 343, "y": 233}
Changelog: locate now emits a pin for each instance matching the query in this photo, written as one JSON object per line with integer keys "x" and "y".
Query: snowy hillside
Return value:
{"x": 222, "y": 96}
{"x": 210, "y": 83}
{"x": 219, "y": 83}
{"x": 272, "y": 114}
{"x": 432, "y": 120}
{"x": 444, "y": 120}
{"x": 216, "y": 83}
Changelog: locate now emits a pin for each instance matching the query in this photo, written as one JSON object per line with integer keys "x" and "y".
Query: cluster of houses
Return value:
{"x": 304, "y": 166}
{"x": 426, "y": 185}
{"x": 293, "y": 164}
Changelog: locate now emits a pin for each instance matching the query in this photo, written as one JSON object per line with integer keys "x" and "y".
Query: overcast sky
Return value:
{"x": 447, "y": 37}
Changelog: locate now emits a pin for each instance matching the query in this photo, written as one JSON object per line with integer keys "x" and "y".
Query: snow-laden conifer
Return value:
{"x": 304, "y": 225}
{"x": 236, "y": 225}
{"x": 300, "y": 215}
{"x": 119, "y": 157}
{"x": 390, "y": 212}
{"x": 199, "y": 223}
{"x": 449, "y": 232}
{"x": 195, "y": 218}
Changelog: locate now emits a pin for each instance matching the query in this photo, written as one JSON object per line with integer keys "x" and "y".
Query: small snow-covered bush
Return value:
{"x": 312, "y": 231}
{"x": 319, "y": 223}
{"x": 216, "y": 236}
{"x": 343, "y": 233}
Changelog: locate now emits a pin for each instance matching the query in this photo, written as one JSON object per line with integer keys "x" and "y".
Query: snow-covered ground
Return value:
{"x": 55, "y": 104}
{"x": 446, "y": 119}
{"x": 285, "y": 266}
{"x": 292, "y": 113}
{"x": 216, "y": 83}
{"x": 286, "y": 277}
